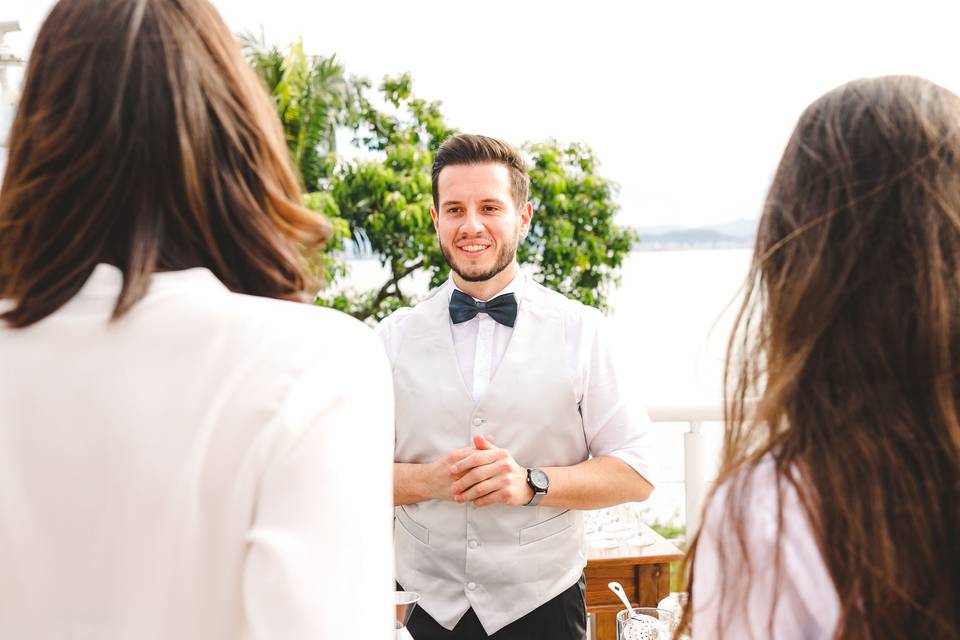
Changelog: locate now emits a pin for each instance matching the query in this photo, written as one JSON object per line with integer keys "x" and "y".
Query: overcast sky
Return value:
{"x": 687, "y": 104}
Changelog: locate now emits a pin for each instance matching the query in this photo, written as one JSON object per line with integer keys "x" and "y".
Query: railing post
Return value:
{"x": 694, "y": 476}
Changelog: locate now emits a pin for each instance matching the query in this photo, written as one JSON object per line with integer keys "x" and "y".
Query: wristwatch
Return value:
{"x": 540, "y": 483}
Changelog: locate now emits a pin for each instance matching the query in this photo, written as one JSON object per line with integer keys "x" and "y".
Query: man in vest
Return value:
{"x": 509, "y": 422}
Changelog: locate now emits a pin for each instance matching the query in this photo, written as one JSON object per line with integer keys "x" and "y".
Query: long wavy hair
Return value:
{"x": 143, "y": 139}
{"x": 848, "y": 340}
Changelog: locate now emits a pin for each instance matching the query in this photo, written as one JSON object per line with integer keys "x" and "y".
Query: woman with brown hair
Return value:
{"x": 178, "y": 437}
{"x": 837, "y": 507}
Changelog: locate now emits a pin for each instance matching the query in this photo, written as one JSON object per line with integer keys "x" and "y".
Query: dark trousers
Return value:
{"x": 563, "y": 618}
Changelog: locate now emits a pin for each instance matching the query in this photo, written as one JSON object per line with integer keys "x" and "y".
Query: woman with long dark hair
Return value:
{"x": 185, "y": 450}
{"x": 837, "y": 507}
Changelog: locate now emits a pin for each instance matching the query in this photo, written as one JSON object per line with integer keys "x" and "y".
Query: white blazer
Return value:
{"x": 194, "y": 469}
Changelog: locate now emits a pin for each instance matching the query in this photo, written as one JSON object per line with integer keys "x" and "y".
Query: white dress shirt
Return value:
{"x": 614, "y": 423}
{"x": 212, "y": 465}
{"x": 802, "y": 597}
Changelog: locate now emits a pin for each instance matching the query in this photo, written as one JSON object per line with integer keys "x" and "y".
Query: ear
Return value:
{"x": 436, "y": 217}
{"x": 526, "y": 216}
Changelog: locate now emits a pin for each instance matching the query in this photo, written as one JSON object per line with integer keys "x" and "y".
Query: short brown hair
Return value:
{"x": 468, "y": 148}
{"x": 143, "y": 139}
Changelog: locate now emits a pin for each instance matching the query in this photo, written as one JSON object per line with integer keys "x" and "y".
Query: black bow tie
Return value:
{"x": 503, "y": 308}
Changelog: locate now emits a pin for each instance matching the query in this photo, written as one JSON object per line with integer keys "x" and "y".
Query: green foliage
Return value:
{"x": 382, "y": 201}
{"x": 573, "y": 241}
{"x": 313, "y": 99}
{"x": 386, "y": 201}
{"x": 325, "y": 266}
{"x": 671, "y": 529}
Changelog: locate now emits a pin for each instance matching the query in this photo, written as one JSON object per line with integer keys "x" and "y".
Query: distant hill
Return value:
{"x": 657, "y": 229}
{"x": 691, "y": 236}
{"x": 737, "y": 233}
{"x": 743, "y": 228}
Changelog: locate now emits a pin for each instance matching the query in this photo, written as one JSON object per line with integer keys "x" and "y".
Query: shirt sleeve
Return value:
{"x": 615, "y": 421}
{"x": 759, "y": 595}
{"x": 319, "y": 558}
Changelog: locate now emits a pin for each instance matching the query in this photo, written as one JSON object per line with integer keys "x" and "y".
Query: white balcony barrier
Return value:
{"x": 695, "y": 464}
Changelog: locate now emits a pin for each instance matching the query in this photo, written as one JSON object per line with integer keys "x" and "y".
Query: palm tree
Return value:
{"x": 313, "y": 99}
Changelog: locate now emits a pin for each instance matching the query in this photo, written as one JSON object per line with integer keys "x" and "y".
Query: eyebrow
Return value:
{"x": 448, "y": 203}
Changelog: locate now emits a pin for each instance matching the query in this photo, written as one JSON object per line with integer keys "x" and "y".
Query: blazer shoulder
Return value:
{"x": 298, "y": 326}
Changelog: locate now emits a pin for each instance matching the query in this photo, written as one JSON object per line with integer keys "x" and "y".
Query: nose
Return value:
{"x": 472, "y": 223}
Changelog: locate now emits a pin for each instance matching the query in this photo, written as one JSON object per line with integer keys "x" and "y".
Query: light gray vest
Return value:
{"x": 503, "y": 561}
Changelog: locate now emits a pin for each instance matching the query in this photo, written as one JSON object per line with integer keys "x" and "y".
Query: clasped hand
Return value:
{"x": 486, "y": 475}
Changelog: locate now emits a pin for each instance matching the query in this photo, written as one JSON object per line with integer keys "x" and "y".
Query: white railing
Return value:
{"x": 695, "y": 466}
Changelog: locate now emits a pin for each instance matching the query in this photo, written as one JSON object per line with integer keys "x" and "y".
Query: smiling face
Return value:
{"x": 479, "y": 225}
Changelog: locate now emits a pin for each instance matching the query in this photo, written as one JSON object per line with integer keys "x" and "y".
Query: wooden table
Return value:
{"x": 644, "y": 573}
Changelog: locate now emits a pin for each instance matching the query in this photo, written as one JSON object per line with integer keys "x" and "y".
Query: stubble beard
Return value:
{"x": 505, "y": 256}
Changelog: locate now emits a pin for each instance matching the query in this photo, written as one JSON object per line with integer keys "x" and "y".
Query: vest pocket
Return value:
{"x": 560, "y": 522}
{"x": 419, "y": 532}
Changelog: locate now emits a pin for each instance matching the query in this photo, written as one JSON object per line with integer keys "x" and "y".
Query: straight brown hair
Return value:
{"x": 144, "y": 140}
{"x": 849, "y": 340}
{"x": 469, "y": 148}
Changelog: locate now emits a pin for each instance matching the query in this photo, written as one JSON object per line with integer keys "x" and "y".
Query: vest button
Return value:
{"x": 471, "y": 585}
{"x": 477, "y": 421}
{"x": 473, "y": 544}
